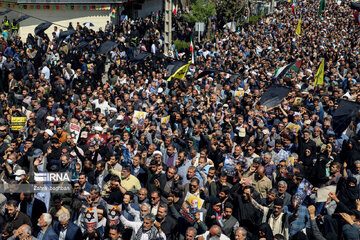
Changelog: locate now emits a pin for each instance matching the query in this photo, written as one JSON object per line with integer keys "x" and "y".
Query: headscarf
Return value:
{"x": 265, "y": 228}
{"x": 347, "y": 194}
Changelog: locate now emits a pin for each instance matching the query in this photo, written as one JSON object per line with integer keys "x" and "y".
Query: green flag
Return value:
{"x": 321, "y": 8}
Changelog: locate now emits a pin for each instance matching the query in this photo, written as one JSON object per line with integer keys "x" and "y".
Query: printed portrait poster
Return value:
{"x": 293, "y": 127}
{"x": 75, "y": 131}
{"x": 85, "y": 115}
{"x": 90, "y": 217}
{"x": 239, "y": 94}
{"x": 165, "y": 120}
{"x": 229, "y": 165}
{"x": 97, "y": 139}
{"x": 191, "y": 206}
{"x": 303, "y": 190}
{"x": 139, "y": 118}
{"x": 114, "y": 216}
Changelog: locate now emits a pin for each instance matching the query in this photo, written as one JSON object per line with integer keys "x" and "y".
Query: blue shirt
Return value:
{"x": 302, "y": 221}
{"x": 41, "y": 235}
{"x": 29, "y": 208}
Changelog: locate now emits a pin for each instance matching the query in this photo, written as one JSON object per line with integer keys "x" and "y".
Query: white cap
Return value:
{"x": 266, "y": 131}
{"x": 50, "y": 118}
{"x": 98, "y": 128}
{"x": 49, "y": 132}
{"x": 297, "y": 114}
{"x": 157, "y": 153}
{"x": 113, "y": 109}
{"x": 307, "y": 122}
{"x": 160, "y": 90}
{"x": 20, "y": 172}
{"x": 226, "y": 105}
{"x": 346, "y": 95}
{"x": 120, "y": 118}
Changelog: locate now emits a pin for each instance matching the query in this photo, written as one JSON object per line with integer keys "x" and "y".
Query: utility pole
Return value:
{"x": 168, "y": 25}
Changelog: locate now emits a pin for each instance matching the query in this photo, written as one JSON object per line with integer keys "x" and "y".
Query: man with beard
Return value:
{"x": 269, "y": 200}
{"x": 154, "y": 202}
{"x": 53, "y": 153}
{"x": 182, "y": 165}
{"x": 114, "y": 196}
{"x": 114, "y": 233}
{"x": 228, "y": 222}
{"x": 155, "y": 173}
{"x": 184, "y": 223}
{"x": 213, "y": 233}
{"x": 141, "y": 197}
{"x": 46, "y": 232}
{"x": 84, "y": 184}
{"x": 260, "y": 182}
{"x": 23, "y": 233}
{"x": 128, "y": 182}
{"x": 32, "y": 207}
{"x": 139, "y": 215}
{"x": 14, "y": 217}
{"x": 137, "y": 170}
{"x": 278, "y": 221}
{"x": 168, "y": 223}
{"x": 148, "y": 229}
{"x": 244, "y": 211}
{"x": 172, "y": 180}
{"x": 191, "y": 233}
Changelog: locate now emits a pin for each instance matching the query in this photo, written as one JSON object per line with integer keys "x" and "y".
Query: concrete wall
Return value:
{"x": 61, "y": 17}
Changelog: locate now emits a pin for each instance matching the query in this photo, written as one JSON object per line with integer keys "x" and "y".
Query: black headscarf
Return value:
{"x": 265, "y": 228}
{"x": 347, "y": 194}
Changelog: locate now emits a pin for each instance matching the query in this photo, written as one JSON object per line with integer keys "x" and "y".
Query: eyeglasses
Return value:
{"x": 191, "y": 185}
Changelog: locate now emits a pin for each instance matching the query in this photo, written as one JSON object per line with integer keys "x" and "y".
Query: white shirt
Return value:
{"x": 205, "y": 235}
{"x": 62, "y": 234}
{"x": 46, "y": 71}
{"x": 136, "y": 226}
{"x": 101, "y": 178}
{"x": 104, "y": 106}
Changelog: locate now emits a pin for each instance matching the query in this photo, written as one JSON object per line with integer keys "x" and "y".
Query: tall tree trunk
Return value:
{"x": 208, "y": 31}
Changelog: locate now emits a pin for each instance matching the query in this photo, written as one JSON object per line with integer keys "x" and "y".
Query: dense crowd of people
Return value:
{"x": 118, "y": 152}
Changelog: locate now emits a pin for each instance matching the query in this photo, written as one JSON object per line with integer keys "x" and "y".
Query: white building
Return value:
{"x": 61, "y": 12}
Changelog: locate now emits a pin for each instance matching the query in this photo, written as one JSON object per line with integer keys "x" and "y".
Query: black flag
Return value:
{"x": 42, "y": 27}
{"x": 343, "y": 115}
{"x": 22, "y": 18}
{"x": 274, "y": 95}
{"x": 174, "y": 66}
{"x": 107, "y": 47}
{"x": 64, "y": 34}
{"x": 5, "y": 12}
{"x": 355, "y": 6}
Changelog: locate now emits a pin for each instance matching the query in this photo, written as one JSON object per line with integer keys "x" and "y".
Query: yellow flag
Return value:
{"x": 319, "y": 78}
{"x": 181, "y": 72}
{"x": 298, "y": 28}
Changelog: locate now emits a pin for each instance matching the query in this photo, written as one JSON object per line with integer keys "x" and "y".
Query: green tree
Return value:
{"x": 232, "y": 10}
{"x": 200, "y": 10}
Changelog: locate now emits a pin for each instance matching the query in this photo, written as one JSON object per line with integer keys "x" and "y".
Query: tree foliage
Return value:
{"x": 200, "y": 11}
{"x": 232, "y": 10}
